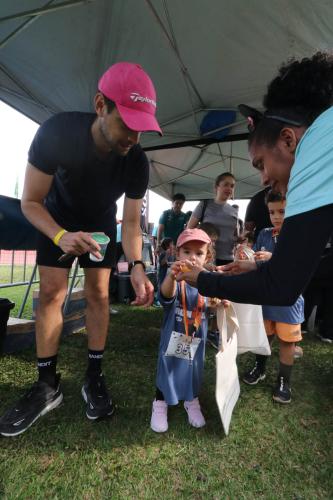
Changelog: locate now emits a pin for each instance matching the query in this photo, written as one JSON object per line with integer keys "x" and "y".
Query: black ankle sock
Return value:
{"x": 94, "y": 363}
{"x": 261, "y": 360}
{"x": 47, "y": 369}
{"x": 159, "y": 395}
{"x": 285, "y": 372}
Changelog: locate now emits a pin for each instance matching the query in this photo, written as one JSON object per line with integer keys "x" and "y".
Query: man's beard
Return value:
{"x": 114, "y": 146}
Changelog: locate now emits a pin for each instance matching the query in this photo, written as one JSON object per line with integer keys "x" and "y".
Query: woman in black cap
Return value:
{"x": 291, "y": 144}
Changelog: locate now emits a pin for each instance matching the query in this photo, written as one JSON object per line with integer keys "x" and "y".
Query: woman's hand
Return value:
{"x": 237, "y": 267}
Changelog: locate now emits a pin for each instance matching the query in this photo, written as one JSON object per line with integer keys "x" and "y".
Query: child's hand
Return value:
{"x": 189, "y": 273}
{"x": 262, "y": 255}
{"x": 175, "y": 269}
{"x": 180, "y": 266}
{"x": 226, "y": 303}
{"x": 186, "y": 266}
{"x": 241, "y": 255}
{"x": 213, "y": 302}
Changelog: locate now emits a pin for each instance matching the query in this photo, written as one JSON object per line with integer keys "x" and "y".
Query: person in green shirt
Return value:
{"x": 172, "y": 221}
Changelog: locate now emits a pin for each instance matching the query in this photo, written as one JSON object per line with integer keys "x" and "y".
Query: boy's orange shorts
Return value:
{"x": 285, "y": 331}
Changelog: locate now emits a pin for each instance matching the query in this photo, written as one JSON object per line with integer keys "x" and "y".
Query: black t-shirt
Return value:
{"x": 257, "y": 212}
{"x": 85, "y": 188}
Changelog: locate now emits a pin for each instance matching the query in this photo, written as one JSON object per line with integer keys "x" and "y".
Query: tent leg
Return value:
{"x": 69, "y": 294}
{"x": 27, "y": 291}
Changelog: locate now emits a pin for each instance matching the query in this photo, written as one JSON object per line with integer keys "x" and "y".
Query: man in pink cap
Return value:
{"x": 79, "y": 165}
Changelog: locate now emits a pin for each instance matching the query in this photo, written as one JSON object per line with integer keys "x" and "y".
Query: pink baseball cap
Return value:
{"x": 133, "y": 92}
{"x": 192, "y": 235}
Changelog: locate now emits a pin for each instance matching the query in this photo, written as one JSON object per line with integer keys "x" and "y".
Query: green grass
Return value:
{"x": 271, "y": 452}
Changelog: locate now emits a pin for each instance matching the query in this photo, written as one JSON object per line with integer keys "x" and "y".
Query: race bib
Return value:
{"x": 182, "y": 346}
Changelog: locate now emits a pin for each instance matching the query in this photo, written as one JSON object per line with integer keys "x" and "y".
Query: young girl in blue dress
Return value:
{"x": 183, "y": 335}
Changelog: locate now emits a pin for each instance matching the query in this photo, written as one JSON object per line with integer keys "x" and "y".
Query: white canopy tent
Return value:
{"x": 201, "y": 55}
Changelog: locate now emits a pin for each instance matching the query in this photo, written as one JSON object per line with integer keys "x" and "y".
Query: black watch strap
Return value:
{"x": 134, "y": 263}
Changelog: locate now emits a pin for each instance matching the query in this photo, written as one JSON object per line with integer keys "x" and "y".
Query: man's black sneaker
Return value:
{"x": 324, "y": 337}
{"x": 282, "y": 392}
{"x": 38, "y": 401}
{"x": 254, "y": 376}
{"x": 95, "y": 394}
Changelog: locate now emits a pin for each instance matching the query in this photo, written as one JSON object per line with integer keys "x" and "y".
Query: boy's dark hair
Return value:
{"x": 178, "y": 196}
{"x": 273, "y": 196}
{"x": 165, "y": 243}
{"x": 210, "y": 229}
{"x": 220, "y": 177}
{"x": 110, "y": 105}
{"x": 300, "y": 92}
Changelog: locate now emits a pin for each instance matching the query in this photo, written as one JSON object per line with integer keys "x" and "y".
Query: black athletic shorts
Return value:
{"x": 48, "y": 254}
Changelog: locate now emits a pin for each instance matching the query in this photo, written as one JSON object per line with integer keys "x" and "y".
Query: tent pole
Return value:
{"x": 44, "y": 10}
{"x": 199, "y": 142}
{"x": 20, "y": 28}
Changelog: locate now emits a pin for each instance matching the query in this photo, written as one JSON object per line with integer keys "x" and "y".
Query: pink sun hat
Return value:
{"x": 133, "y": 92}
{"x": 192, "y": 235}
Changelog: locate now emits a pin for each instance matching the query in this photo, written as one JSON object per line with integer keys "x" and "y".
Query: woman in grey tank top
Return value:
{"x": 222, "y": 215}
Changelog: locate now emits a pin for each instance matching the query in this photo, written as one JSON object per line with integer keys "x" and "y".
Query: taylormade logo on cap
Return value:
{"x": 133, "y": 92}
{"x": 137, "y": 97}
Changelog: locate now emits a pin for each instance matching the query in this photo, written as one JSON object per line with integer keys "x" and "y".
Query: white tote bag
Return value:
{"x": 252, "y": 334}
{"x": 227, "y": 384}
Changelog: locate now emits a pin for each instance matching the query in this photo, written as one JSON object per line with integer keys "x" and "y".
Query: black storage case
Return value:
{"x": 5, "y": 307}
{"x": 125, "y": 292}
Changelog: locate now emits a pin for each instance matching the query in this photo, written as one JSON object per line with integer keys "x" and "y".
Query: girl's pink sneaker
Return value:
{"x": 159, "y": 416}
{"x": 195, "y": 417}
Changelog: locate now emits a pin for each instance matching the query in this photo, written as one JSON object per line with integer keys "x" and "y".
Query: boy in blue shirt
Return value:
{"x": 282, "y": 321}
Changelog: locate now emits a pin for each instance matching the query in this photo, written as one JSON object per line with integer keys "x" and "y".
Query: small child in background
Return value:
{"x": 165, "y": 258}
{"x": 213, "y": 335}
{"x": 183, "y": 334}
{"x": 282, "y": 321}
{"x": 248, "y": 238}
{"x": 214, "y": 234}
{"x": 243, "y": 250}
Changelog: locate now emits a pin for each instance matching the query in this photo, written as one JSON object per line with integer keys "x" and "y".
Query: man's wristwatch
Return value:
{"x": 134, "y": 263}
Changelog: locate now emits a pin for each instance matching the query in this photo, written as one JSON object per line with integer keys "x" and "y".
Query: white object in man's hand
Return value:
{"x": 79, "y": 243}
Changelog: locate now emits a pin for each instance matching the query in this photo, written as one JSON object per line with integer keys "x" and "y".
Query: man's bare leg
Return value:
{"x": 94, "y": 391}
{"x": 49, "y": 319}
{"x": 45, "y": 395}
{"x": 97, "y": 312}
